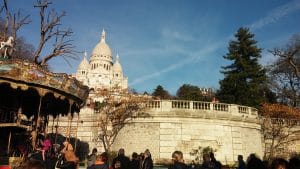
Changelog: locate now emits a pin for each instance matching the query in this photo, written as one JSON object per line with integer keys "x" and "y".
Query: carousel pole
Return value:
{"x": 47, "y": 124}
{"x": 8, "y": 145}
{"x": 39, "y": 113}
{"x": 76, "y": 132}
{"x": 53, "y": 120}
{"x": 69, "y": 121}
{"x": 56, "y": 129}
{"x": 56, "y": 133}
{"x": 34, "y": 137}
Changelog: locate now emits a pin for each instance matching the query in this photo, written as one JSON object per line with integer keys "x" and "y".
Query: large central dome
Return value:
{"x": 102, "y": 51}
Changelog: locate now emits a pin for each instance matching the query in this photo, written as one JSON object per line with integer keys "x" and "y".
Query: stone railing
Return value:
{"x": 233, "y": 109}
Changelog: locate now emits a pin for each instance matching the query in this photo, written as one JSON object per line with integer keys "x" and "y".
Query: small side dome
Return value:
{"x": 84, "y": 63}
{"x": 117, "y": 68}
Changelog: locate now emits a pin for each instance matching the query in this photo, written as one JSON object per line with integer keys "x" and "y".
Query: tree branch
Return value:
{"x": 17, "y": 22}
{"x": 288, "y": 56}
{"x": 61, "y": 46}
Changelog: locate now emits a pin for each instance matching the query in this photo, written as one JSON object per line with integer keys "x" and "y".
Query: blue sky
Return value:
{"x": 168, "y": 42}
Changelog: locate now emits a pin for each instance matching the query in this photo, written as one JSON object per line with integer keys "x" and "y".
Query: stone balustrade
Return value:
{"x": 200, "y": 106}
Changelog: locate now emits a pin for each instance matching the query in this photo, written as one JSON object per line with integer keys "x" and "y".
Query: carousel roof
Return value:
{"x": 25, "y": 75}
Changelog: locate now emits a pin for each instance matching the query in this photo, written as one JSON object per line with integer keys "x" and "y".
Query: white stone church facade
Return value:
{"x": 100, "y": 72}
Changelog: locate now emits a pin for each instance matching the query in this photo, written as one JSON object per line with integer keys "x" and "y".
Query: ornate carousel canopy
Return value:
{"x": 27, "y": 88}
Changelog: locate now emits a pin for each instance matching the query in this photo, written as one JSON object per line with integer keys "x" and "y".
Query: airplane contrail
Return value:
{"x": 276, "y": 14}
{"x": 272, "y": 17}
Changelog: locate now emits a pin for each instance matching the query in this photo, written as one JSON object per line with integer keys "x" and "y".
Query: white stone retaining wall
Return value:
{"x": 163, "y": 135}
{"x": 179, "y": 125}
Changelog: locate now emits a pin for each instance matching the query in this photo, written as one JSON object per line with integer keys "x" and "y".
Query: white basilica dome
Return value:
{"x": 102, "y": 51}
{"x": 99, "y": 72}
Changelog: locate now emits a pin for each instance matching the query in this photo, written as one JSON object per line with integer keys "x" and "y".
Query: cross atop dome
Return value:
{"x": 85, "y": 54}
{"x": 103, "y": 36}
{"x": 117, "y": 57}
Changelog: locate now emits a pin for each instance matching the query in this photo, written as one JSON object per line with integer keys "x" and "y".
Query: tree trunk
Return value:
{"x": 271, "y": 149}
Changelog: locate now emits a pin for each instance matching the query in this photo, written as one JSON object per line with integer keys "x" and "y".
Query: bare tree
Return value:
{"x": 50, "y": 30}
{"x": 22, "y": 49}
{"x": 290, "y": 54}
{"x": 114, "y": 112}
{"x": 285, "y": 84}
{"x": 10, "y": 24}
{"x": 13, "y": 22}
{"x": 280, "y": 127}
{"x": 284, "y": 72}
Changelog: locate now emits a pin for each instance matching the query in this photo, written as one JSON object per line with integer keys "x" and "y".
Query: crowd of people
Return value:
{"x": 66, "y": 157}
{"x": 144, "y": 161}
{"x": 68, "y": 160}
{"x": 253, "y": 162}
{"x": 138, "y": 161}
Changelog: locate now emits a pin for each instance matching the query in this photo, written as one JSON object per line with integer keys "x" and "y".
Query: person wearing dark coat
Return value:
{"x": 147, "y": 162}
{"x": 135, "y": 162}
{"x": 294, "y": 162}
{"x": 279, "y": 163}
{"x": 254, "y": 163}
{"x": 218, "y": 164}
{"x": 178, "y": 162}
{"x": 125, "y": 162}
{"x": 241, "y": 162}
{"x": 207, "y": 163}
